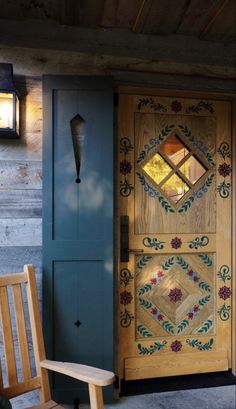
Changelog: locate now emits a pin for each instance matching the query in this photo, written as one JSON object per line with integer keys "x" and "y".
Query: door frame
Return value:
{"x": 229, "y": 97}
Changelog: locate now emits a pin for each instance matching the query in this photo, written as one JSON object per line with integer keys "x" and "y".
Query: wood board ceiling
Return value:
{"x": 210, "y": 20}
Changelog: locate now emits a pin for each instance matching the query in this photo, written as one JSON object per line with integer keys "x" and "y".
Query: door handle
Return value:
{"x": 125, "y": 251}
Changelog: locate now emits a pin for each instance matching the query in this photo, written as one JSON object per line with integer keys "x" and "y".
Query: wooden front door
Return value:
{"x": 175, "y": 235}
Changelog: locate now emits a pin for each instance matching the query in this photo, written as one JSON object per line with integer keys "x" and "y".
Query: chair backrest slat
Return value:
{"x": 21, "y": 331}
{"x": 16, "y": 340}
{"x": 37, "y": 333}
{"x": 7, "y": 337}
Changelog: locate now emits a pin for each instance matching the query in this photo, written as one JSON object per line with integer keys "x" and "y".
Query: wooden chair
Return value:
{"x": 96, "y": 378}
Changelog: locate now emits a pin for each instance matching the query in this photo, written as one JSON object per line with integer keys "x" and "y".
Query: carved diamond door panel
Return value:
{"x": 175, "y": 188}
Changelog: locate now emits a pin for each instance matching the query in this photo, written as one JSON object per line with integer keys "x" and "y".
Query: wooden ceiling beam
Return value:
{"x": 214, "y": 17}
{"x": 121, "y": 43}
{"x": 142, "y": 14}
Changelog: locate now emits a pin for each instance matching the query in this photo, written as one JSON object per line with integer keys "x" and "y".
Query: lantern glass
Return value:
{"x": 6, "y": 110}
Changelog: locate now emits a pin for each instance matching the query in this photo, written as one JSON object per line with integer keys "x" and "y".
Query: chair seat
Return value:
{"x": 49, "y": 405}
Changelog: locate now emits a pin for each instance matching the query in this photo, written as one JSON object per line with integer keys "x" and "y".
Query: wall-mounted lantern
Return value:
{"x": 9, "y": 103}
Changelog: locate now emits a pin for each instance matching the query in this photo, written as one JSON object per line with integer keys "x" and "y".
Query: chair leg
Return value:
{"x": 96, "y": 398}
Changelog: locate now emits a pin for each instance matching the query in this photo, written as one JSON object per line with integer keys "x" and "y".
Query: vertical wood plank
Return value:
{"x": 96, "y": 399}
{"x": 21, "y": 331}
{"x": 7, "y": 337}
{"x": 37, "y": 333}
{"x": 234, "y": 239}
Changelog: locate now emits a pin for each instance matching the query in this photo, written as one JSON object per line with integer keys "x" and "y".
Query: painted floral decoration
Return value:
{"x": 193, "y": 312}
{"x": 125, "y": 167}
{"x": 157, "y": 278}
{"x": 157, "y": 314}
{"x": 193, "y": 275}
{"x": 176, "y": 243}
{"x": 175, "y": 295}
{"x": 126, "y": 297}
{"x": 224, "y": 292}
{"x": 176, "y": 346}
{"x": 224, "y": 169}
{"x": 176, "y": 106}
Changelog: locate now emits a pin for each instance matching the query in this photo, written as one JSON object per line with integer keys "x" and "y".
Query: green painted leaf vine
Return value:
{"x": 205, "y": 327}
{"x": 206, "y": 259}
{"x": 154, "y": 193}
{"x": 157, "y": 346}
{"x": 145, "y": 303}
{"x": 199, "y": 345}
{"x": 182, "y": 326}
{"x": 203, "y": 301}
{"x": 154, "y": 142}
{"x": 145, "y": 289}
{"x": 197, "y": 194}
{"x": 186, "y": 131}
{"x": 182, "y": 263}
{"x": 156, "y": 106}
{"x": 168, "y": 263}
{"x": 168, "y": 327}
{"x": 143, "y": 331}
{"x": 202, "y": 105}
{"x": 204, "y": 286}
{"x": 143, "y": 261}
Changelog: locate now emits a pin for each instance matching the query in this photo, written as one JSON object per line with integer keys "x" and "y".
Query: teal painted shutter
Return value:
{"x": 78, "y": 228}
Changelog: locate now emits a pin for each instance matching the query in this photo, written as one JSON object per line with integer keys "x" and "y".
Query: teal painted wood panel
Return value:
{"x": 78, "y": 228}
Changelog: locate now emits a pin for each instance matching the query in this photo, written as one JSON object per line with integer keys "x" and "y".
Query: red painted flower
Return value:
{"x": 196, "y": 308}
{"x": 153, "y": 280}
{"x": 125, "y": 167}
{"x": 224, "y": 169}
{"x": 176, "y": 106}
{"x": 126, "y": 297}
{"x": 225, "y": 292}
{"x": 157, "y": 314}
{"x": 176, "y": 243}
{"x": 176, "y": 346}
{"x": 190, "y": 315}
{"x": 160, "y": 274}
{"x": 193, "y": 275}
{"x": 175, "y": 294}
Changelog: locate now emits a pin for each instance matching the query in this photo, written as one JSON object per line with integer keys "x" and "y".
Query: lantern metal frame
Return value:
{"x": 7, "y": 86}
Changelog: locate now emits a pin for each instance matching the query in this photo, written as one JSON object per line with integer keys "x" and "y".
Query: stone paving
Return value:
{"x": 222, "y": 397}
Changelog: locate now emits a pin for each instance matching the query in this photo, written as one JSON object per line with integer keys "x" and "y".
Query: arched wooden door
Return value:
{"x": 175, "y": 215}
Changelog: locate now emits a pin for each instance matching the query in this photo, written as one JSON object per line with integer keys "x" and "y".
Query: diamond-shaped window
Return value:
{"x": 175, "y": 188}
{"x": 157, "y": 168}
{"x": 174, "y": 149}
{"x": 175, "y": 168}
{"x": 192, "y": 169}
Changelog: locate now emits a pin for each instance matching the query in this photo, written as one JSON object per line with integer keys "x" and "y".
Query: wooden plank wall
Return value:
{"x": 21, "y": 192}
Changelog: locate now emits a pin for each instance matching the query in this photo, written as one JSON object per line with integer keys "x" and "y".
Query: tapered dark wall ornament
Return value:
{"x": 9, "y": 104}
{"x": 78, "y": 134}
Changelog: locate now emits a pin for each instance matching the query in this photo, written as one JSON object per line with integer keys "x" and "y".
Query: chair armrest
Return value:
{"x": 84, "y": 373}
